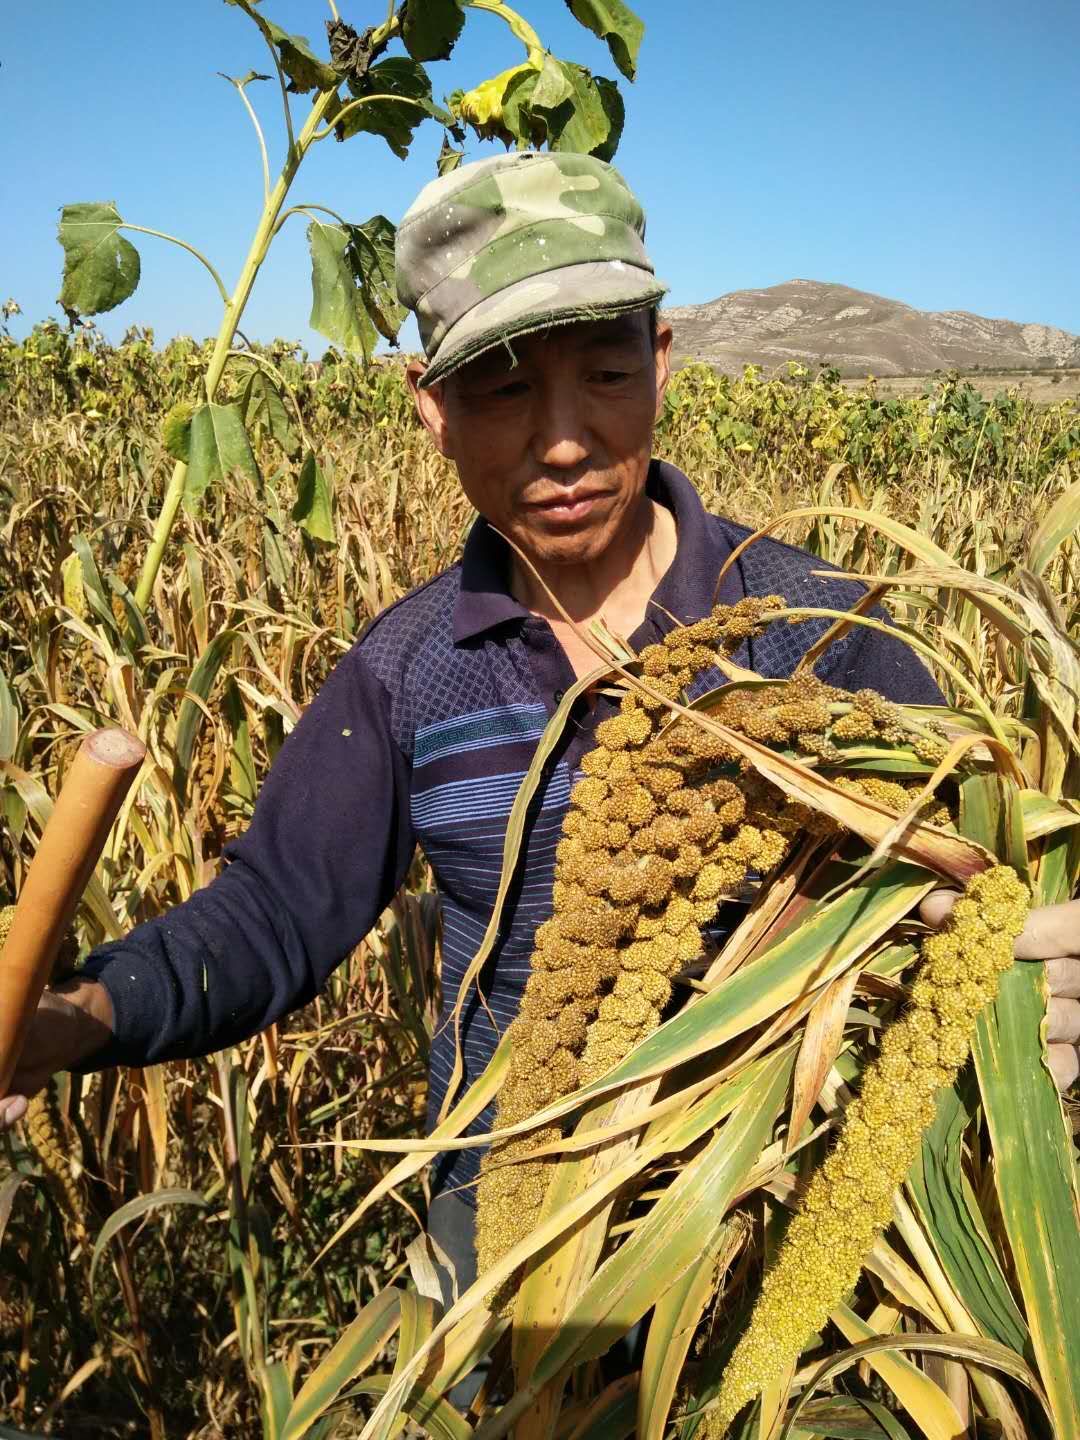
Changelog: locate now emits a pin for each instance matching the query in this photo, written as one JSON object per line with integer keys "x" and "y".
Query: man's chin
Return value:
{"x": 574, "y": 548}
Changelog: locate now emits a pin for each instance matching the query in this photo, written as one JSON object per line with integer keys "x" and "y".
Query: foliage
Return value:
{"x": 252, "y": 614}
{"x": 355, "y": 91}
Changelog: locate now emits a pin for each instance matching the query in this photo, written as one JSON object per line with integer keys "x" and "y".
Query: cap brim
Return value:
{"x": 591, "y": 290}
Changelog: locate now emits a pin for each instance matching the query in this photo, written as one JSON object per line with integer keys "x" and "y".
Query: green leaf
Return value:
{"x": 553, "y": 85}
{"x": 276, "y": 1397}
{"x": 313, "y": 509}
{"x": 449, "y": 158}
{"x": 176, "y": 430}
{"x": 671, "y": 1331}
{"x": 590, "y": 121}
{"x": 565, "y": 105}
{"x": 438, "y": 1417}
{"x": 1034, "y": 1158}
{"x": 431, "y": 28}
{"x": 617, "y": 24}
{"x": 372, "y": 257}
{"x": 304, "y": 69}
{"x": 93, "y": 587}
{"x": 338, "y": 308}
{"x": 101, "y": 268}
{"x": 848, "y": 1418}
{"x": 10, "y": 716}
{"x": 676, "y": 1234}
{"x": 1059, "y": 522}
{"x": 218, "y": 445}
{"x": 613, "y": 1414}
{"x": 518, "y": 121}
{"x": 137, "y": 633}
{"x": 200, "y": 683}
{"x": 242, "y": 775}
{"x": 830, "y": 935}
{"x": 196, "y": 583}
{"x": 952, "y": 1217}
{"x": 986, "y": 1353}
{"x": 261, "y": 404}
{"x": 300, "y": 63}
{"x": 353, "y": 1353}
{"x": 612, "y": 101}
{"x": 402, "y": 79}
{"x": 1034, "y": 1169}
{"x": 134, "y": 1210}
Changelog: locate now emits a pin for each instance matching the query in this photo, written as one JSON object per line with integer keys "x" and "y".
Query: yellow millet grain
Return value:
{"x": 648, "y": 818}
{"x": 897, "y": 794}
{"x": 850, "y": 1199}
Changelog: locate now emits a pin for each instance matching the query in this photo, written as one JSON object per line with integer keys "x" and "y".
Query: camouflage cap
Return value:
{"x": 515, "y": 244}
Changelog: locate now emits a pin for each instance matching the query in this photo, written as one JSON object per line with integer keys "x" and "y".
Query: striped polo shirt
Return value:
{"x": 422, "y": 736}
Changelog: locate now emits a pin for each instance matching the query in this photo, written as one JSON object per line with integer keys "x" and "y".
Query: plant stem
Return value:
{"x": 306, "y": 210}
{"x": 282, "y": 85}
{"x": 234, "y": 308}
{"x": 242, "y": 91}
{"x": 518, "y": 24}
{"x": 366, "y": 100}
{"x": 175, "y": 240}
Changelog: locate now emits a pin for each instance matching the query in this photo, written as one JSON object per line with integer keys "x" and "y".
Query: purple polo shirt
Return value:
{"x": 421, "y": 736}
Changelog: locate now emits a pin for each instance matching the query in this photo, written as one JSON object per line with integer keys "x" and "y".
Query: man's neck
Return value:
{"x": 614, "y": 588}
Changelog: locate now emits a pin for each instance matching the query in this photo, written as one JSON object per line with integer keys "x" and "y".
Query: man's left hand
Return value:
{"x": 1052, "y": 935}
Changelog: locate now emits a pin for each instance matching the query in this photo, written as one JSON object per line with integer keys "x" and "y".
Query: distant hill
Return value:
{"x": 858, "y": 333}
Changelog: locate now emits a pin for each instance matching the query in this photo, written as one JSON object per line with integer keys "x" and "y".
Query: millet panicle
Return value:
{"x": 849, "y": 1199}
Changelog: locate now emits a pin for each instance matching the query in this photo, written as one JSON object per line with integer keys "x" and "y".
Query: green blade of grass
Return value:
{"x": 357, "y": 1347}
{"x": 1035, "y": 1169}
{"x": 950, "y": 1212}
{"x": 671, "y": 1332}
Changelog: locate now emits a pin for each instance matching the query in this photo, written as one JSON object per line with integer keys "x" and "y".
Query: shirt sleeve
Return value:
{"x": 328, "y": 847}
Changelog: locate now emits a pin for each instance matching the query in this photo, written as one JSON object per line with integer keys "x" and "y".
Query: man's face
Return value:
{"x": 554, "y": 451}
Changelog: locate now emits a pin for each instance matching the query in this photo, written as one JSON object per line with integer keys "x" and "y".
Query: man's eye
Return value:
{"x": 610, "y": 377}
{"x": 511, "y": 390}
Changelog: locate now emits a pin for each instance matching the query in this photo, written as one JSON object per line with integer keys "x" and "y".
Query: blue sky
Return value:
{"x": 929, "y": 152}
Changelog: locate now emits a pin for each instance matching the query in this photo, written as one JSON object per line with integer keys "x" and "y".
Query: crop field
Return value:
{"x": 1045, "y": 387}
{"x": 166, "y": 1256}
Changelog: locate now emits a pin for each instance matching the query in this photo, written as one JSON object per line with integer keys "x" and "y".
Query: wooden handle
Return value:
{"x": 72, "y": 842}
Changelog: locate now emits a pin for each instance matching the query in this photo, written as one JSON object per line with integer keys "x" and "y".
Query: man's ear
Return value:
{"x": 430, "y": 405}
{"x": 662, "y": 358}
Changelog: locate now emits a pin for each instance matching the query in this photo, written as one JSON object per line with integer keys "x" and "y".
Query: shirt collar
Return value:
{"x": 686, "y": 589}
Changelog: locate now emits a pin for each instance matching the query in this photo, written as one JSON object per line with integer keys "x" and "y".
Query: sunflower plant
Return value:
{"x": 374, "y": 82}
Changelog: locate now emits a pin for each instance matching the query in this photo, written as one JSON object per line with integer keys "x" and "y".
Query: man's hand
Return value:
{"x": 70, "y": 1024}
{"x": 1052, "y": 934}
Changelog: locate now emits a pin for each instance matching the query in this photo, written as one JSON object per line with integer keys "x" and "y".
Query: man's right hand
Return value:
{"x": 71, "y": 1022}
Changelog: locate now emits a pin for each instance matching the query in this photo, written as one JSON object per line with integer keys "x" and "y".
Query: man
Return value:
{"x": 545, "y": 373}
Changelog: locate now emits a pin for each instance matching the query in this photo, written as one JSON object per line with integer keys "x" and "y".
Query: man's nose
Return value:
{"x": 561, "y": 425}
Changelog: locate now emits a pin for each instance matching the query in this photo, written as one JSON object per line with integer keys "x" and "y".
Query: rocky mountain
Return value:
{"x": 858, "y": 333}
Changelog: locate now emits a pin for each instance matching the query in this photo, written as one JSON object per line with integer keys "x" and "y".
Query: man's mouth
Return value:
{"x": 570, "y": 505}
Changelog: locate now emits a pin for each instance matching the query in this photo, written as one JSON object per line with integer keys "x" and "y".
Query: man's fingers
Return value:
{"x": 1063, "y": 977}
{"x": 1051, "y": 931}
{"x": 1063, "y": 1021}
{"x": 937, "y": 906}
{"x": 12, "y": 1110}
{"x": 1064, "y": 1061}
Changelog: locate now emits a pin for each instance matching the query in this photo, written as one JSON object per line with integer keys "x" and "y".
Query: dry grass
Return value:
{"x": 82, "y": 470}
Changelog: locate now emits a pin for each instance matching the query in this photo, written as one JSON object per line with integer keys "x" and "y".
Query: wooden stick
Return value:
{"x": 71, "y": 844}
